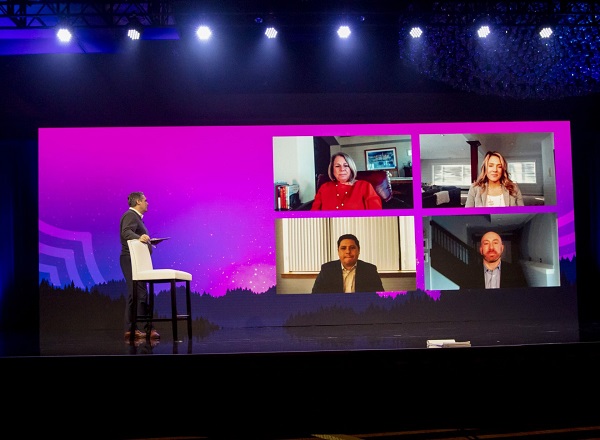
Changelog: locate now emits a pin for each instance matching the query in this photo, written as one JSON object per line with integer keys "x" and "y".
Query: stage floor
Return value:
{"x": 313, "y": 338}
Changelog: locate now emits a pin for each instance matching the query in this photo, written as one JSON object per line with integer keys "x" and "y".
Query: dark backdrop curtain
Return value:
{"x": 19, "y": 305}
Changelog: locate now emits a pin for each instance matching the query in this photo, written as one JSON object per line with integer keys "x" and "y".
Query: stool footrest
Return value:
{"x": 174, "y": 316}
{"x": 179, "y": 317}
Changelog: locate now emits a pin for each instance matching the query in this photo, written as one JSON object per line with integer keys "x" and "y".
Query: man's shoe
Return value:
{"x": 154, "y": 334}
{"x": 135, "y": 343}
{"x": 138, "y": 335}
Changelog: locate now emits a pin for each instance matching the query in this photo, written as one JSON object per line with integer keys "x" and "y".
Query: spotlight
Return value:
{"x": 483, "y": 31}
{"x": 546, "y": 32}
{"x": 268, "y": 24}
{"x": 343, "y": 32}
{"x": 134, "y": 28}
{"x": 133, "y": 34}
{"x": 416, "y": 32}
{"x": 64, "y": 33}
{"x": 203, "y": 33}
{"x": 271, "y": 32}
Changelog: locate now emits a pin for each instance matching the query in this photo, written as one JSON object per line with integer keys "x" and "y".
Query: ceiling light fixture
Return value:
{"x": 416, "y": 32}
{"x": 546, "y": 32}
{"x": 344, "y": 32}
{"x": 134, "y": 28}
{"x": 204, "y": 33}
{"x": 271, "y": 32}
{"x": 63, "y": 32}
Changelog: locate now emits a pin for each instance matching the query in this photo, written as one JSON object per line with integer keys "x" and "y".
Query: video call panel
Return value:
{"x": 224, "y": 222}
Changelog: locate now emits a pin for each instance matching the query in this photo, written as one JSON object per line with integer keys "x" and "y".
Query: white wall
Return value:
{"x": 548, "y": 170}
{"x": 294, "y": 162}
{"x": 438, "y": 281}
{"x": 540, "y": 239}
{"x": 358, "y": 154}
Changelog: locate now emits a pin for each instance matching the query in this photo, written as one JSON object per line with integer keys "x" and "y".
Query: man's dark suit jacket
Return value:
{"x": 132, "y": 228}
{"x": 331, "y": 278}
{"x": 511, "y": 275}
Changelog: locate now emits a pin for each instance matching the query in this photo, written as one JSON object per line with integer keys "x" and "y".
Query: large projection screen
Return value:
{"x": 213, "y": 191}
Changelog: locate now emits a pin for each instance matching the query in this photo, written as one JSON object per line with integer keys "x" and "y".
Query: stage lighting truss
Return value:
{"x": 515, "y": 60}
{"x": 90, "y": 15}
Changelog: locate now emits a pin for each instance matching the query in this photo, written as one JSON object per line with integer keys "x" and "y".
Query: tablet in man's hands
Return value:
{"x": 155, "y": 241}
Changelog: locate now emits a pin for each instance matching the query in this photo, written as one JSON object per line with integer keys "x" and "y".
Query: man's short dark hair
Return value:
{"x": 133, "y": 198}
{"x": 348, "y": 237}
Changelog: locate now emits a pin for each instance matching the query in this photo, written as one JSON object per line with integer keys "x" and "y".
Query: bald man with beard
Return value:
{"x": 496, "y": 273}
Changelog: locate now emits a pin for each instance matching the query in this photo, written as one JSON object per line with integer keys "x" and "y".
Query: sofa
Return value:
{"x": 435, "y": 196}
{"x": 380, "y": 180}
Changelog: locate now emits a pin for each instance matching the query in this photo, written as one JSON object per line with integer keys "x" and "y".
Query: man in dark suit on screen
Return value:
{"x": 348, "y": 274}
{"x": 495, "y": 272}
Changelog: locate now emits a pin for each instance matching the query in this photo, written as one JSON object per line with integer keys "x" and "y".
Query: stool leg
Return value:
{"x": 188, "y": 302}
{"x": 174, "y": 309}
{"x": 150, "y": 310}
{"x": 133, "y": 313}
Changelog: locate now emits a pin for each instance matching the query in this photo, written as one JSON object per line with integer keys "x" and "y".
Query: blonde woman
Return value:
{"x": 493, "y": 188}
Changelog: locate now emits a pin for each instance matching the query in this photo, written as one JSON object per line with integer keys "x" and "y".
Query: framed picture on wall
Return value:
{"x": 381, "y": 159}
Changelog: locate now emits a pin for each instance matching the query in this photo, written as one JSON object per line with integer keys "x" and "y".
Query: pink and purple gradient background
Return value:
{"x": 211, "y": 190}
